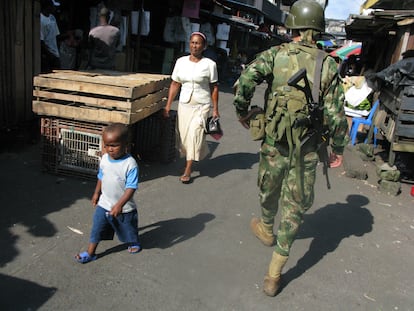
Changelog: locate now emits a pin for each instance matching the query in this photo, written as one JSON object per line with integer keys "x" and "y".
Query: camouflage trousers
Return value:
{"x": 277, "y": 182}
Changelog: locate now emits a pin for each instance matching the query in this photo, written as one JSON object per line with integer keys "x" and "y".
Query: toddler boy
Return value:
{"x": 115, "y": 209}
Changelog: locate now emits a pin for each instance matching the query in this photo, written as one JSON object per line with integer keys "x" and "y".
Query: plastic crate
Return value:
{"x": 168, "y": 138}
{"x": 71, "y": 147}
{"x": 156, "y": 138}
{"x": 74, "y": 148}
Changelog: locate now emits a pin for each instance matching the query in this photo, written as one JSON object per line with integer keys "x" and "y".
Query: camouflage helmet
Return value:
{"x": 306, "y": 14}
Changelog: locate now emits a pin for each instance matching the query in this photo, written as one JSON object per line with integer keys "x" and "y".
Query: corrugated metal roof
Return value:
{"x": 233, "y": 20}
{"x": 268, "y": 10}
{"x": 388, "y": 4}
{"x": 361, "y": 27}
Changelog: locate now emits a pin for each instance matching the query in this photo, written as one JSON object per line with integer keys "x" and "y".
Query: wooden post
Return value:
{"x": 36, "y": 38}
{"x": 138, "y": 42}
{"x": 29, "y": 39}
{"x": 19, "y": 72}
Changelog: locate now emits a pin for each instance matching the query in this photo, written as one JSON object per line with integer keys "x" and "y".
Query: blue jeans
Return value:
{"x": 104, "y": 226}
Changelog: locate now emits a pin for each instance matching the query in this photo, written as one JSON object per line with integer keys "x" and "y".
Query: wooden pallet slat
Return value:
{"x": 105, "y": 76}
{"x": 84, "y": 113}
{"x": 406, "y": 130}
{"x": 148, "y": 100}
{"x": 99, "y": 96}
{"x": 406, "y": 117}
{"x": 74, "y": 97}
{"x": 403, "y": 147}
{"x": 407, "y": 103}
{"x": 116, "y": 84}
{"x": 80, "y": 86}
{"x": 148, "y": 88}
{"x": 106, "y": 103}
{"x": 92, "y": 114}
{"x": 147, "y": 111}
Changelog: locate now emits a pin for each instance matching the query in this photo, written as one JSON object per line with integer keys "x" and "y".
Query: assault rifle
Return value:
{"x": 314, "y": 121}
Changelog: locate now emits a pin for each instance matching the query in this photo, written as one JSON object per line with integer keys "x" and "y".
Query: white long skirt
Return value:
{"x": 191, "y": 139}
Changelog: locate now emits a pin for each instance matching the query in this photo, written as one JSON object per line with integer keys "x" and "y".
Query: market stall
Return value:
{"x": 395, "y": 117}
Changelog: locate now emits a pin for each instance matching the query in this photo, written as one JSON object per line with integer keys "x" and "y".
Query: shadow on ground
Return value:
{"x": 228, "y": 162}
{"x": 210, "y": 166}
{"x": 28, "y": 196}
{"x": 328, "y": 226}
{"x": 18, "y": 294}
{"x": 154, "y": 169}
{"x": 166, "y": 233}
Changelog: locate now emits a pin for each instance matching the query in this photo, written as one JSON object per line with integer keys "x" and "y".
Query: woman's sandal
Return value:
{"x": 135, "y": 248}
{"x": 84, "y": 257}
{"x": 185, "y": 179}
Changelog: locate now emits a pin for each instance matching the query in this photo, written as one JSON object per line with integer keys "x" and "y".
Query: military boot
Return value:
{"x": 272, "y": 279}
{"x": 262, "y": 231}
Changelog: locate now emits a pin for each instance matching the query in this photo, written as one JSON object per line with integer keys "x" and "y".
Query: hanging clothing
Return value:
{"x": 49, "y": 30}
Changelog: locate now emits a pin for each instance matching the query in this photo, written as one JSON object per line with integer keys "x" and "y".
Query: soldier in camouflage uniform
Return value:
{"x": 287, "y": 178}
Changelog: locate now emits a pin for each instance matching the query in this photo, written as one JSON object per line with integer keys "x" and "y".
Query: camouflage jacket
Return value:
{"x": 264, "y": 68}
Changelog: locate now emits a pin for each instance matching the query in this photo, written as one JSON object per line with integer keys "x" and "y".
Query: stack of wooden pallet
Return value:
{"x": 76, "y": 106}
{"x": 99, "y": 96}
{"x": 395, "y": 119}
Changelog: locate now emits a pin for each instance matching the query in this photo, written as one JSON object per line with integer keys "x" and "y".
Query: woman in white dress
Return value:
{"x": 195, "y": 77}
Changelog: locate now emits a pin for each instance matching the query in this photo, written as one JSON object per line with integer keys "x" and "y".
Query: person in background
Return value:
{"x": 211, "y": 53}
{"x": 264, "y": 28}
{"x": 49, "y": 31}
{"x": 115, "y": 208}
{"x": 69, "y": 46}
{"x": 195, "y": 77}
{"x": 103, "y": 41}
{"x": 287, "y": 169}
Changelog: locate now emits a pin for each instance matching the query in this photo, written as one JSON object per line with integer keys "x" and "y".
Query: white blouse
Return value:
{"x": 195, "y": 79}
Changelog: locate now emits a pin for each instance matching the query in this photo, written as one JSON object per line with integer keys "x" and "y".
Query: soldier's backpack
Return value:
{"x": 287, "y": 104}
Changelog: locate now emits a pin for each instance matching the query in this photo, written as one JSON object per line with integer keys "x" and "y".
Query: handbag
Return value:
{"x": 213, "y": 128}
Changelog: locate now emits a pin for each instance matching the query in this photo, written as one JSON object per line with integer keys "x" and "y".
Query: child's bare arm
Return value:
{"x": 117, "y": 208}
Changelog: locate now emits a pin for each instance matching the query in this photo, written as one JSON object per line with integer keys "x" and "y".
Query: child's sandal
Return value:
{"x": 84, "y": 257}
{"x": 133, "y": 249}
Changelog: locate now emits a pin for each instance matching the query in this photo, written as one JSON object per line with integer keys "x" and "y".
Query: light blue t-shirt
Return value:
{"x": 117, "y": 176}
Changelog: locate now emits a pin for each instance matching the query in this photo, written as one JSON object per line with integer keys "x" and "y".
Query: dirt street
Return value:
{"x": 354, "y": 250}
